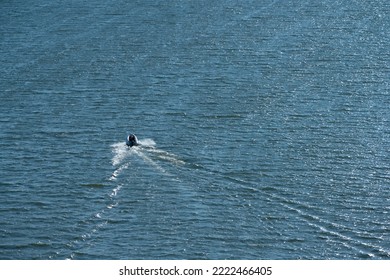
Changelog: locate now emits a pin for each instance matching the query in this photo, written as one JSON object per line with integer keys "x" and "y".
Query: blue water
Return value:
{"x": 265, "y": 129}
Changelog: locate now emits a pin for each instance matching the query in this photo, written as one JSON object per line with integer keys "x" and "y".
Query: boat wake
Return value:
{"x": 146, "y": 151}
{"x": 123, "y": 158}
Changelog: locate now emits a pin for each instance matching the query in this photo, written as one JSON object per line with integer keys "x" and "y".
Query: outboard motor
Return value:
{"x": 132, "y": 140}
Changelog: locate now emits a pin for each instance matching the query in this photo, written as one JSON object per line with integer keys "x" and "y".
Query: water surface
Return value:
{"x": 264, "y": 124}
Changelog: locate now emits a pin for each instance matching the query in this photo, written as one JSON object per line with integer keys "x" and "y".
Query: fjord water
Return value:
{"x": 265, "y": 129}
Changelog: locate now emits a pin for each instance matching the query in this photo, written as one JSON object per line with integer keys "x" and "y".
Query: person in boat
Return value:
{"x": 132, "y": 140}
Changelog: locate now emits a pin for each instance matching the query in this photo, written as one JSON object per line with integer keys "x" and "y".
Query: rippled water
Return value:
{"x": 264, "y": 128}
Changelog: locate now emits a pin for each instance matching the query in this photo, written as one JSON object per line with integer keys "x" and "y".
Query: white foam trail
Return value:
{"x": 112, "y": 205}
{"x": 118, "y": 171}
{"x": 147, "y": 142}
{"x": 149, "y": 160}
{"x": 166, "y": 156}
{"x": 98, "y": 215}
{"x": 120, "y": 151}
{"x": 115, "y": 191}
